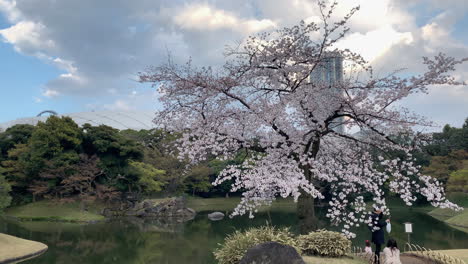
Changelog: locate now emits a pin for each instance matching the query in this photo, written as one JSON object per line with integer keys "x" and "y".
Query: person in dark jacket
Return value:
{"x": 378, "y": 225}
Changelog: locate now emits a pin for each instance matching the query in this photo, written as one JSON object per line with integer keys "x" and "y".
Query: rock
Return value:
{"x": 216, "y": 216}
{"x": 169, "y": 208}
{"x": 272, "y": 253}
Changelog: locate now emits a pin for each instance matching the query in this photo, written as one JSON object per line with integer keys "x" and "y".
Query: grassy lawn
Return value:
{"x": 443, "y": 213}
{"x": 212, "y": 204}
{"x": 14, "y": 248}
{"x": 52, "y": 211}
{"x": 319, "y": 260}
{"x": 460, "y": 219}
{"x": 228, "y": 204}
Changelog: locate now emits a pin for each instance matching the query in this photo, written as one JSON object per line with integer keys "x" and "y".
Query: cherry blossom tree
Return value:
{"x": 266, "y": 102}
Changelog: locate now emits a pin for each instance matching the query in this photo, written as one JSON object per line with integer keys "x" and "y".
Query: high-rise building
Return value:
{"x": 329, "y": 72}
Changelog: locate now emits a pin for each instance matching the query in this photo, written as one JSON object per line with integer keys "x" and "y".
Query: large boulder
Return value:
{"x": 216, "y": 216}
{"x": 272, "y": 253}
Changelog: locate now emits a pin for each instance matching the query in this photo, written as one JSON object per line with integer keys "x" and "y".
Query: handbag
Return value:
{"x": 389, "y": 227}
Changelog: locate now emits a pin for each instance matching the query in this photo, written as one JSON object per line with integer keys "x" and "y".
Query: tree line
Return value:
{"x": 57, "y": 159}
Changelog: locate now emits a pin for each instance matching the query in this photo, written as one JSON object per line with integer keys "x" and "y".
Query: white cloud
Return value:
{"x": 205, "y": 17}
{"x": 27, "y": 37}
{"x": 50, "y": 93}
{"x": 375, "y": 43}
{"x": 99, "y": 52}
{"x": 9, "y": 8}
{"x": 65, "y": 65}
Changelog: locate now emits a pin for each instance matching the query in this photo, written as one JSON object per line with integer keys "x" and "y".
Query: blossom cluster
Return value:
{"x": 264, "y": 102}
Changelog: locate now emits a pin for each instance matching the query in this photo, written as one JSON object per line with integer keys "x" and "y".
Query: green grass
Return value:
{"x": 344, "y": 260}
{"x": 17, "y": 248}
{"x": 212, "y": 204}
{"x": 443, "y": 214}
{"x": 228, "y": 204}
{"x": 458, "y": 220}
{"x": 52, "y": 211}
{"x": 459, "y": 198}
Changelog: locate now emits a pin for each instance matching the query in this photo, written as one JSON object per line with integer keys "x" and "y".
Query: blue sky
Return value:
{"x": 72, "y": 56}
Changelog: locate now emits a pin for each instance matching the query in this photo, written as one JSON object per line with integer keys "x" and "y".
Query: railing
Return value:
{"x": 434, "y": 256}
{"x": 413, "y": 250}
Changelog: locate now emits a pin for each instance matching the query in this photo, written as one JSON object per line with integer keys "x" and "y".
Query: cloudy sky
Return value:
{"x": 83, "y": 55}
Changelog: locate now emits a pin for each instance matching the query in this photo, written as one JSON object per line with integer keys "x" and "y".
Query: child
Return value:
{"x": 368, "y": 249}
{"x": 392, "y": 253}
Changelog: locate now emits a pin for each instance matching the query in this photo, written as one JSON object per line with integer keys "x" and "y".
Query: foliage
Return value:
{"x": 114, "y": 151}
{"x": 270, "y": 100}
{"x": 57, "y": 138}
{"x": 17, "y": 134}
{"x": 5, "y": 189}
{"x": 150, "y": 179}
{"x": 236, "y": 244}
{"x": 39, "y": 160}
{"x": 324, "y": 243}
{"x": 15, "y": 171}
{"x": 441, "y": 166}
{"x": 198, "y": 179}
{"x": 57, "y": 159}
{"x": 450, "y": 139}
{"x": 159, "y": 152}
{"x": 459, "y": 198}
{"x": 458, "y": 181}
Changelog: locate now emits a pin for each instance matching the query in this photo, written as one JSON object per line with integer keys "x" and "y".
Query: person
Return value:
{"x": 391, "y": 252}
{"x": 368, "y": 249}
{"x": 377, "y": 229}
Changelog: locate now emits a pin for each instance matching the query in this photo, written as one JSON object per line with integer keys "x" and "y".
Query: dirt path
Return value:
{"x": 405, "y": 259}
{"x": 14, "y": 249}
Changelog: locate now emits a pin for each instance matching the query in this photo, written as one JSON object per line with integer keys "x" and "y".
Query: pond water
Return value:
{"x": 135, "y": 241}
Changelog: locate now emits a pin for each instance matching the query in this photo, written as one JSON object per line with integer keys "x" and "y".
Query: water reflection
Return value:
{"x": 152, "y": 241}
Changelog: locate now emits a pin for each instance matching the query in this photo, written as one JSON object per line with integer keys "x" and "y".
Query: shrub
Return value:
{"x": 236, "y": 244}
{"x": 5, "y": 189}
{"x": 324, "y": 243}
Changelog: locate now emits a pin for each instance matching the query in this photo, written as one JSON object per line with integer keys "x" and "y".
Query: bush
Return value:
{"x": 236, "y": 244}
{"x": 5, "y": 189}
{"x": 324, "y": 243}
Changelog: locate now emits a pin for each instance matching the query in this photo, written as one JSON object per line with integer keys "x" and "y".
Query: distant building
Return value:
{"x": 121, "y": 120}
{"x": 330, "y": 72}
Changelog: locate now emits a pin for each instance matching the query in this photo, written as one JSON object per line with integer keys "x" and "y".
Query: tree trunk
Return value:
{"x": 305, "y": 205}
{"x": 306, "y": 214}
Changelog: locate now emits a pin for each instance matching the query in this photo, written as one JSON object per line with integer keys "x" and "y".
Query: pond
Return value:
{"x": 135, "y": 241}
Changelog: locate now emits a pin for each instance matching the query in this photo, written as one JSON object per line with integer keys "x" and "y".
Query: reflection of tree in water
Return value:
{"x": 149, "y": 241}
{"x": 100, "y": 243}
